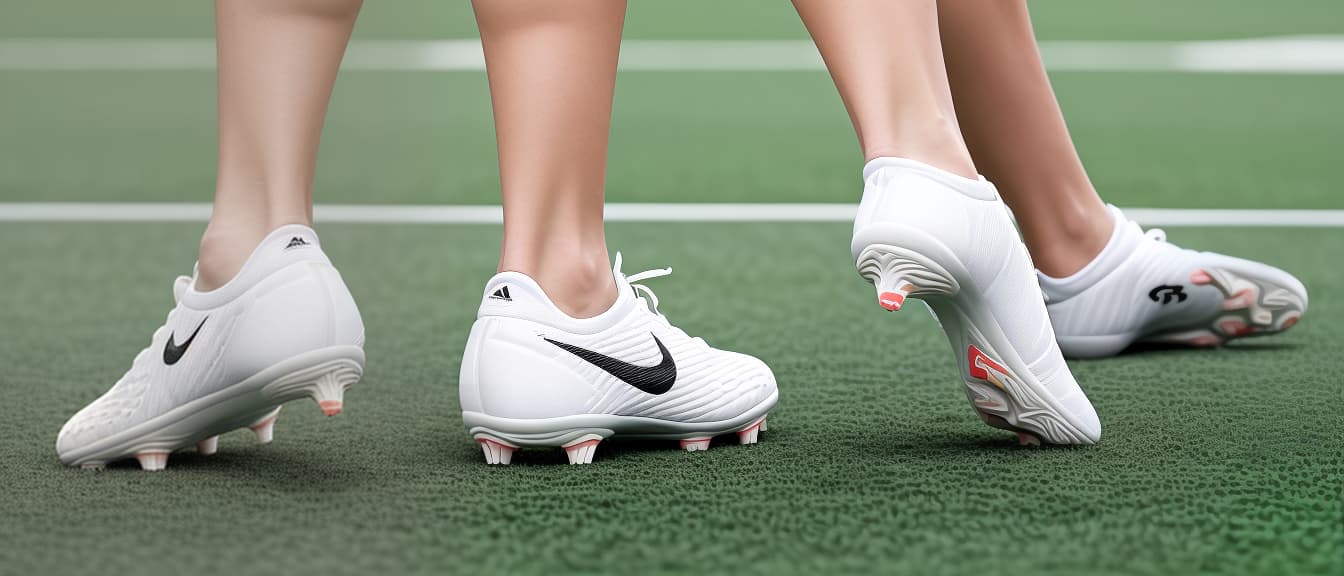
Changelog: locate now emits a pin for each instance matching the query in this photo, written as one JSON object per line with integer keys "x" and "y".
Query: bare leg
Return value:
{"x": 887, "y": 63}
{"x": 1016, "y": 133}
{"x": 277, "y": 64}
{"x": 552, "y": 68}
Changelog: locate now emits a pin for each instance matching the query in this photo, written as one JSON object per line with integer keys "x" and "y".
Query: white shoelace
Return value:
{"x": 646, "y": 294}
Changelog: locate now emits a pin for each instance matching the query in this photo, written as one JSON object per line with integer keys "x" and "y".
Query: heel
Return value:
{"x": 898, "y": 273}
{"x": 325, "y": 382}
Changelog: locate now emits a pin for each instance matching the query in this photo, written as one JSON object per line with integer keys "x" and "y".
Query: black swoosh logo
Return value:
{"x": 173, "y": 352}
{"x": 651, "y": 379}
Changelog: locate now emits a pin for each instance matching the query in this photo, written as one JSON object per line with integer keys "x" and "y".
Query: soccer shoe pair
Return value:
{"x": 924, "y": 233}
{"x": 286, "y": 327}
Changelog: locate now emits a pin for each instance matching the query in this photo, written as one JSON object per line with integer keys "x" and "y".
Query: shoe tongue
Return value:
{"x": 181, "y": 286}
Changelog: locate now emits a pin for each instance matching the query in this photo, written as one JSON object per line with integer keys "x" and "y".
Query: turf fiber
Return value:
{"x": 1227, "y": 461}
{"x": 1212, "y": 461}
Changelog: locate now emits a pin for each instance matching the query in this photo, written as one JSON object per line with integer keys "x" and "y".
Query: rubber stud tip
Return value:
{"x": 1025, "y": 439}
{"x": 265, "y": 428}
{"x": 330, "y": 407}
{"x": 208, "y": 446}
{"x": 581, "y": 451}
{"x": 891, "y": 300}
{"x": 695, "y": 444}
{"x": 1289, "y": 322}
{"x": 751, "y": 433}
{"x": 763, "y": 426}
{"x": 496, "y": 452}
{"x": 153, "y": 461}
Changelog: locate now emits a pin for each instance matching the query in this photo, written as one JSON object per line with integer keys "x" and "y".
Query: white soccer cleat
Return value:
{"x": 284, "y": 328}
{"x": 532, "y": 376}
{"x": 928, "y": 234}
{"x": 1143, "y": 289}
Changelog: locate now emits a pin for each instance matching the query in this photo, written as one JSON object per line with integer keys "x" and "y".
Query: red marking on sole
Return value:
{"x": 981, "y": 364}
{"x": 1289, "y": 322}
{"x": 1235, "y": 328}
{"x": 330, "y": 407}
{"x": 1200, "y": 277}
{"x": 493, "y": 443}
{"x": 891, "y": 300}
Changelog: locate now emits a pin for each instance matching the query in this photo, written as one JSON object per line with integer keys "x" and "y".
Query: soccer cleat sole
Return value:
{"x": 1251, "y": 307}
{"x": 579, "y": 436}
{"x": 253, "y": 403}
{"x": 1000, "y": 388}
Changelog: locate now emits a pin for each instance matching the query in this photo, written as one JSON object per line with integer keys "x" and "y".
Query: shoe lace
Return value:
{"x": 646, "y": 294}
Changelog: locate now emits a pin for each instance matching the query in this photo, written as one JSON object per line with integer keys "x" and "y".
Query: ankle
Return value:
{"x": 224, "y": 250}
{"x": 580, "y": 287}
{"x": 936, "y": 143}
{"x": 1069, "y": 240}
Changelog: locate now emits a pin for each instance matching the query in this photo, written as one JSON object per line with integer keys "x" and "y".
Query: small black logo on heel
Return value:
{"x": 502, "y": 294}
{"x": 296, "y": 242}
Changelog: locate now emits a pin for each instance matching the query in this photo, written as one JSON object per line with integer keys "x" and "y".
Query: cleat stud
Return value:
{"x": 1289, "y": 322}
{"x": 763, "y": 426}
{"x": 329, "y": 392}
{"x": 581, "y": 451}
{"x": 1026, "y": 439}
{"x": 152, "y": 460}
{"x": 330, "y": 407}
{"x": 893, "y": 299}
{"x": 496, "y": 452}
{"x": 208, "y": 446}
{"x": 695, "y": 444}
{"x": 751, "y": 433}
{"x": 265, "y": 427}
{"x": 93, "y": 466}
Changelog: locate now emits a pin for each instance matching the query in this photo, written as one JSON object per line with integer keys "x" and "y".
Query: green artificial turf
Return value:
{"x": 1224, "y": 461}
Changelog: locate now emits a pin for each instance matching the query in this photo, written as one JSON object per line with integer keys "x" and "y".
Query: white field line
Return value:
{"x": 74, "y": 212}
{"x": 1272, "y": 55}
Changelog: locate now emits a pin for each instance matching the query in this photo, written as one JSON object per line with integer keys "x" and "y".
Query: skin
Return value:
{"x": 277, "y": 63}
{"x": 888, "y": 65}
{"x": 552, "y": 70}
{"x": 1016, "y": 133}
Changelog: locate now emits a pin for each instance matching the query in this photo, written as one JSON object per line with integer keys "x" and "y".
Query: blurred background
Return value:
{"x": 1149, "y": 138}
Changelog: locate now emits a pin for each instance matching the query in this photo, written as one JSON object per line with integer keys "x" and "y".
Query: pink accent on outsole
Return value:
{"x": 1199, "y": 277}
{"x": 496, "y": 452}
{"x": 1244, "y": 298}
{"x": 1289, "y": 322}
{"x": 330, "y": 407}
{"x": 1235, "y": 328}
{"x": 695, "y": 444}
{"x": 891, "y": 300}
{"x": 751, "y": 433}
{"x": 1204, "y": 341}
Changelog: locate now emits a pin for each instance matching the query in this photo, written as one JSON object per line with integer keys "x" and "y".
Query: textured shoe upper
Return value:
{"x": 531, "y": 360}
{"x": 1141, "y": 285}
{"x": 212, "y": 339}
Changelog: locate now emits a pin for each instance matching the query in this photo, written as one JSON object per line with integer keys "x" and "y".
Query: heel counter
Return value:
{"x": 509, "y": 371}
{"x": 347, "y": 323}
{"x": 468, "y": 381}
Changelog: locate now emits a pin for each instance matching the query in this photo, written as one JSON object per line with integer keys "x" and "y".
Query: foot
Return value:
{"x": 284, "y": 328}
{"x": 1143, "y": 289}
{"x": 533, "y": 376}
{"x": 928, "y": 234}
